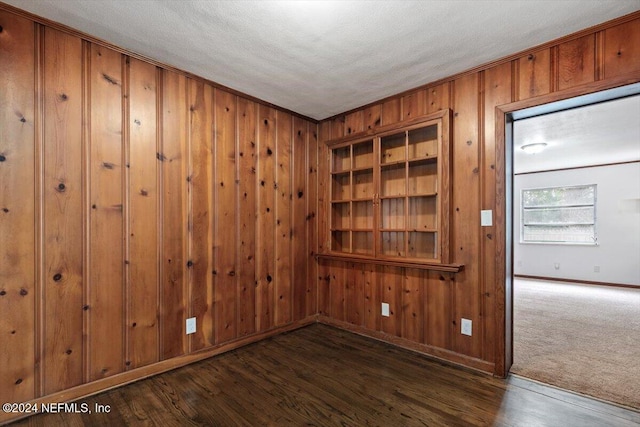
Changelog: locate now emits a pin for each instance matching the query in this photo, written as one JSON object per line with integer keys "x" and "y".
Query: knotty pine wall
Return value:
{"x": 426, "y": 306}
{"x": 133, "y": 196}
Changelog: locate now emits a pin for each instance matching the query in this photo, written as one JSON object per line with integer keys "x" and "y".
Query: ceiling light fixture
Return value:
{"x": 534, "y": 148}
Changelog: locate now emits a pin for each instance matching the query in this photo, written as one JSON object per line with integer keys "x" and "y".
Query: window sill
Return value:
{"x": 422, "y": 265}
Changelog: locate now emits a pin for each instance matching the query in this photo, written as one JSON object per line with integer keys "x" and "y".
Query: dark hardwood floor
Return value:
{"x": 323, "y": 376}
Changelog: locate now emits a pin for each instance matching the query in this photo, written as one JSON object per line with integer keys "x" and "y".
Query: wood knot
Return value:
{"x": 144, "y": 192}
{"x": 189, "y": 263}
{"x": 63, "y": 97}
{"x": 57, "y": 277}
{"x": 619, "y": 53}
{"x": 300, "y": 194}
{"x": 266, "y": 122}
{"x": 269, "y": 152}
{"x": 2, "y": 158}
{"x": 531, "y": 57}
{"x": 69, "y": 351}
{"x": 136, "y": 121}
{"x": 85, "y": 307}
{"x": 5, "y": 210}
{"x": 61, "y": 187}
{"x": 23, "y": 120}
{"x": 269, "y": 278}
{"x": 18, "y": 381}
{"x": 232, "y": 273}
{"x": 469, "y": 142}
{"x": 23, "y": 292}
{"x": 3, "y": 293}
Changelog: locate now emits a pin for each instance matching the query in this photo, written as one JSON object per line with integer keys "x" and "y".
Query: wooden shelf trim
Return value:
{"x": 449, "y": 268}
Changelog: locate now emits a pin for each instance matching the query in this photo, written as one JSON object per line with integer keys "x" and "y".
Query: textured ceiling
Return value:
{"x": 321, "y": 58}
{"x": 597, "y": 134}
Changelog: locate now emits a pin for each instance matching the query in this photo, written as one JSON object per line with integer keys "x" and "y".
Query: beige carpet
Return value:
{"x": 582, "y": 338}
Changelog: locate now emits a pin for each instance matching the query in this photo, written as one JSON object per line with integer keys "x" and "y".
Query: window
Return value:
{"x": 559, "y": 215}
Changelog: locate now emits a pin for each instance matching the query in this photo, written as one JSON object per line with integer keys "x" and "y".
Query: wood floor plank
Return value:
{"x": 322, "y": 376}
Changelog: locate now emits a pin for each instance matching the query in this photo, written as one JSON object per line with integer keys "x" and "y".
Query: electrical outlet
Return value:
{"x": 385, "y": 309}
{"x": 466, "y": 327}
{"x": 191, "y": 325}
{"x": 596, "y": 269}
{"x": 556, "y": 266}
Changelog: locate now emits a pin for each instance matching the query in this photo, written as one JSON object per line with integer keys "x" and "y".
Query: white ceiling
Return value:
{"x": 321, "y": 58}
{"x": 598, "y": 134}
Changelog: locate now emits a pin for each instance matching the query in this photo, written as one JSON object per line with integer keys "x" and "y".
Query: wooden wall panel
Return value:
{"x": 576, "y": 62}
{"x": 311, "y": 277}
{"x": 143, "y": 305}
{"x": 322, "y": 221}
{"x": 299, "y": 218}
{"x": 247, "y": 155}
{"x": 390, "y": 284}
{"x": 373, "y": 117}
{"x": 265, "y": 239}
{"x": 621, "y": 53}
{"x": 497, "y": 91}
{"x": 227, "y": 188}
{"x": 413, "y": 298}
{"x": 391, "y": 111}
{"x": 106, "y": 257}
{"x": 336, "y": 281}
{"x": 414, "y": 104}
{"x": 438, "y": 97}
{"x": 465, "y": 239}
{"x": 371, "y": 298}
{"x": 354, "y": 293}
{"x": 354, "y": 122}
{"x": 438, "y": 327}
{"x": 534, "y": 74}
{"x": 203, "y": 212}
{"x": 63, "y": 212}
{"x": 284, "y": 234}
{"x": 17, "y": 209}
{"x": 174, "y": 165}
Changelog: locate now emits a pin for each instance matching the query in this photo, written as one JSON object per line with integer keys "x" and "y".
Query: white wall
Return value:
{"x": 617, "y": 227}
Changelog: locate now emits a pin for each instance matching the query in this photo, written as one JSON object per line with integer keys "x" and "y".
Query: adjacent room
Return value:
{"x": 577, "y": 220}
{"x": 319, "y": 212}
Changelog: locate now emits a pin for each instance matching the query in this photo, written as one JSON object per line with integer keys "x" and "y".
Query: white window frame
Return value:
{"x": 594, "y": 237}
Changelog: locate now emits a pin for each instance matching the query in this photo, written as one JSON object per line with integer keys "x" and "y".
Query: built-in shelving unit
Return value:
{"x": 389, "y": 195}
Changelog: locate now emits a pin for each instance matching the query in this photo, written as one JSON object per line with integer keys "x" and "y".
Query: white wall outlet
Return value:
{"x": 486, "y": 218}
{"x": 191, "y": 325}
{"x": 385, "y": 309}
{"x": 556, "y": 265}
{"x": 596, "y": 269}
{"x": 466, "y": 327}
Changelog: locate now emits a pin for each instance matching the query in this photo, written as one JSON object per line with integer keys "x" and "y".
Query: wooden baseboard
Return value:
{"x": 442, "y": 355}
{"x": 128, "y": 377}
{"x": 582, "y": 282}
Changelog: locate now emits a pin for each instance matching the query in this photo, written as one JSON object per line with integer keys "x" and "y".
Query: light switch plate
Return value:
{"x": 486, "y": 218}
{"x": 191, "y": 325}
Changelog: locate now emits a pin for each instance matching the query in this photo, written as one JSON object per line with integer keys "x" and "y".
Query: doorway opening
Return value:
{"x": 549, "y": 263}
